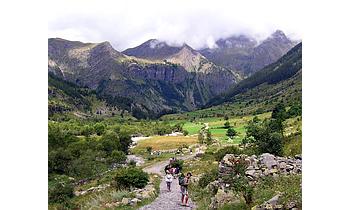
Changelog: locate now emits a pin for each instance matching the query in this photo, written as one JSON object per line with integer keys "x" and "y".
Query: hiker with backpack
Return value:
{"x": 184, "y": 181}
{"x": 168, "y": 180}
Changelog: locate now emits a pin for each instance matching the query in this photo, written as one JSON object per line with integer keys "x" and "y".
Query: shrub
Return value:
{"x": 125, "y": 141}
{"x": 99, "y": 128}
{"x": 208, "y": 177}
{"x": 226, "y": 150}
{"x": 110, "y": 141}
{"x": 227, "y": 124}
{"x": 279, "y": 112}
{"x": 132, "y": 163}
{"x": 267, "y": 135}
{"x": 295, "y": 110}
{"x": 231, "y": 132}
{"x": 60, "y": 189}
{"x": 185, "y": 132}
{"x": 149, "y": 149}
{"x": 259, "y": 111}
{"x": 130, "y": 177}
{"x": 178, "y": 163}
{"x": 117, "y": 157}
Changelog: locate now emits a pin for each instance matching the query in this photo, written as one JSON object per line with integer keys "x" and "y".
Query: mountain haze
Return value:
{"x": 246, "y": 55}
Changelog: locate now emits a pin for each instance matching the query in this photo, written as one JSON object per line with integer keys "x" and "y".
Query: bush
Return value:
{"x": 149, "y": 149}
{"x": 132, "y": 163}
{"x": 117, "y": 157}
{"x": 60, "y": 189}
{"x": 295, "y": 110}
{"x": 99, "y": 128}
{"x": 125, "y": 141}
{"x": 110, "y": 141}
{"x": 130, "y": 177}
{"x": 185, "y": 132}
{"x": 267, "y": 135}
{"x": 231, "y": 132}
{"x": 226, "y": 150}
{"x": 178, "y": 163}
{"x": 208, "y": 177}
{"x": 227, "y": 124}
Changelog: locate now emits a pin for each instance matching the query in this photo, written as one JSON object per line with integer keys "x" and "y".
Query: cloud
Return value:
{"x": 198, "y": 23}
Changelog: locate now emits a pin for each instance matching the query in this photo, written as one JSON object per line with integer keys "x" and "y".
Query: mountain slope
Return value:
{"x": 67, "y": 98}
{"x": 148, "y": 87}
{"x": 287, "y": 70}
{"x": 245, "y": 55}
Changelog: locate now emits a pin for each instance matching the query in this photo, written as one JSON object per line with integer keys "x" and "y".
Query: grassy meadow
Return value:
{"x": 164, "y": 143}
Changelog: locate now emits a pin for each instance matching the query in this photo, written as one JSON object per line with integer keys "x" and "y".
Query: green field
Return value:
{"x": 216, "y": 126}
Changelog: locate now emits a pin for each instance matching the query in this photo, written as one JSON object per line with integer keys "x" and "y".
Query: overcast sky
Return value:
{"x": 198, "y": 23}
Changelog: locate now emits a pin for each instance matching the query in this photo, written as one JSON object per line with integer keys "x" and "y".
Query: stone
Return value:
{"x": 213, "y": 186}
{"x": 274, "y": 200}
{"x": 289, "y": 167}
{"x": 268, "y": 160}
{"x": 223, "y": 197}
{"x": 134, "y": 201}
{"x": 282, "y": 165}
{"x": 125, "y": 201}
{"x": 146, "y": 194}
{"x": 250, "y": 172}
{"x": 278, "y": 207}
{"x": 139, "y": 196}
{"x": 291, "y": 205}
{"x": 108, "y": 205}
{"x": 273, "y": 171}
{"x": 298, "y": 157}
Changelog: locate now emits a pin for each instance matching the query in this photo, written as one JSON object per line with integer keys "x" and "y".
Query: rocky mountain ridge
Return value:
{"x": 149, "y": 87}
{"x": 246, "y": 55}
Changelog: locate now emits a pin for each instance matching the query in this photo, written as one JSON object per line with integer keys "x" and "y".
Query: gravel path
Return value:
{"x": 167, "y": 200}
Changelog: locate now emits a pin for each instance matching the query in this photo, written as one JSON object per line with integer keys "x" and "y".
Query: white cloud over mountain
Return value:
{"x": 198, "y": 23}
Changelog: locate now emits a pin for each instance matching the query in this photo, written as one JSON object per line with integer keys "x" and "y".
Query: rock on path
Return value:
{"x": 167, "y": 200}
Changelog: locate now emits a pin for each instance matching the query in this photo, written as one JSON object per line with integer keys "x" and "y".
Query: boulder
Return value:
{"x": 274, "y": 200}
{"x": 125, "y": 201}
{"x": 134, "y": 201}
{"x": 250, "y": 172}
{"x": 291, "y": 205}
{"x": 298, "y": 157}
{"x": 268, "y": 160}
{"x": 213, "y": 186}
{"x": 223, "y": 197}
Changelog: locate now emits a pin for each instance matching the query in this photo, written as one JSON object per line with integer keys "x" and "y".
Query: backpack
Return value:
{"x": 181, "y": 180}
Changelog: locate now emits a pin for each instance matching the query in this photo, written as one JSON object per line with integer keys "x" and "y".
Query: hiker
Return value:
{"x": 168, "y": 180}
{"x": 167, "y": 168}
{"x": 184, "y": 181}
{"x": 177, "y": 171}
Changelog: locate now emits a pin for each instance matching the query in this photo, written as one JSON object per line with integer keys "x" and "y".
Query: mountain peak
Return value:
{"x": 156, "y": 44}
{"x": 240, "y": 41}
{"x": 278, "y": 34}
{"x": 152, "y": 49}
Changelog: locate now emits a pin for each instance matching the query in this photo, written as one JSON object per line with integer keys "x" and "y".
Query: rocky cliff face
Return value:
{"x": 183, "y": 82}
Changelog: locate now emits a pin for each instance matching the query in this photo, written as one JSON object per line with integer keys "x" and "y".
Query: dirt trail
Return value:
{"x": 167, "y": 200}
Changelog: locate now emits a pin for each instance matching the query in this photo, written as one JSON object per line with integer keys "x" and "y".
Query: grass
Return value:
{"x": 192, "y": 127}
{"x": 216, "y": 126}
{"x": 197, "y": 167}
{"x": 290, "y": 186}
{"x": 164, "y": 143}
{"x": 293, "y": 145}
